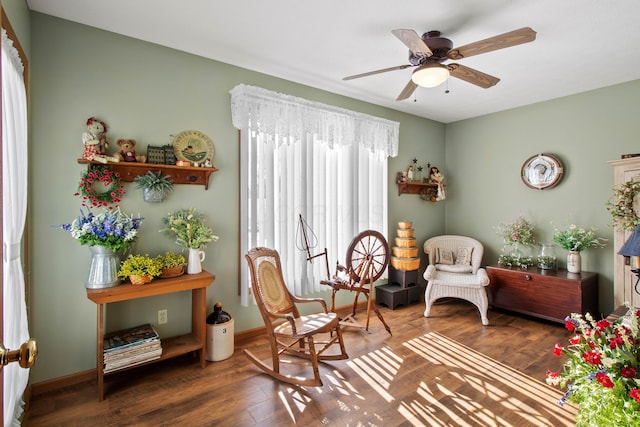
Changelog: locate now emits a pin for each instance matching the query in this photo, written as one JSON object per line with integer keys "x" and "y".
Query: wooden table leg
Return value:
{"x": 100, "y": 351}
{"x": 199, "y": 319}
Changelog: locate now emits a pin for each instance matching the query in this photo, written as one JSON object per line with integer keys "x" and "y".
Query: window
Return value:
{"x": 300, "y": 158}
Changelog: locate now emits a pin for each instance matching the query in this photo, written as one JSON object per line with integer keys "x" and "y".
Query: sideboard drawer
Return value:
{"x": 548, "y": 294}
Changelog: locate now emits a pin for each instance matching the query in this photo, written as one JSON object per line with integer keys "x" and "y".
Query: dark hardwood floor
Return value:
{"x": 447, "y": 370}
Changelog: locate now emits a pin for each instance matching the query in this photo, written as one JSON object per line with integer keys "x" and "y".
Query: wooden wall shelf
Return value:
{"x": 178, "y": 174}
{"x": 416, "y": 188}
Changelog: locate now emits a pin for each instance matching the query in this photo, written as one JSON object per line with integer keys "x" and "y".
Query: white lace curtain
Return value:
{"x": 14, "y": 202}
{"x": 292, "y": 118}
{"x": 304, "y": 158}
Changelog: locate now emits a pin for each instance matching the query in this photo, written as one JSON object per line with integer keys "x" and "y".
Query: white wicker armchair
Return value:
{"x": 454, "y": 271}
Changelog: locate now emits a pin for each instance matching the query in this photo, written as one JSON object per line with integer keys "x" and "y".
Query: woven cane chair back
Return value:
{"x": 268, "y": 284}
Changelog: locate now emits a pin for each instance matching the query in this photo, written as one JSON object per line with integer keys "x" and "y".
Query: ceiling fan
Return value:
{"x": 429, "y": 51}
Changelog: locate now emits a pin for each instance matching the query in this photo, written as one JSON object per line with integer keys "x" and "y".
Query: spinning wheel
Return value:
{"x": 367, "y": 259}
{"x": 368, "y": 247}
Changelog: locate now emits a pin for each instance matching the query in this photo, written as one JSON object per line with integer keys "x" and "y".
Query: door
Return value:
{"x": 17, "y": 156}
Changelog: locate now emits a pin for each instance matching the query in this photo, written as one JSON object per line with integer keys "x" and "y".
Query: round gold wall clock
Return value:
{"x": 542, "y": 171}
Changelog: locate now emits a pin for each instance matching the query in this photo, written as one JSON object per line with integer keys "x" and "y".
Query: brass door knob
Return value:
{"x": 26, "y": 355}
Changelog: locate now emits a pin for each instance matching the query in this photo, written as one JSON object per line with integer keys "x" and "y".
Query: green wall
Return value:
{"x": 18, "y": 14}
{"x": 149, "y": 92}
{"x": 485, "y": 155}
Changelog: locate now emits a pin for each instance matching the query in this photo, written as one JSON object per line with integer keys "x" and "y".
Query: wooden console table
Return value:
{"x": 171, "y": 347}
{"x": 547, "y": 294}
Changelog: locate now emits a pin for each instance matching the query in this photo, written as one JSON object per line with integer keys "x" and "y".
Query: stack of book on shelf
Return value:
{"x": 131, "y": 347}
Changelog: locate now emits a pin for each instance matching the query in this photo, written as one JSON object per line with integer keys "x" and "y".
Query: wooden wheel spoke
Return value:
{"x": 368, "y": 248}
{"x": 364, "y": 254}
{"x": 378, "y": 245}
{"x": 378, "y": 263}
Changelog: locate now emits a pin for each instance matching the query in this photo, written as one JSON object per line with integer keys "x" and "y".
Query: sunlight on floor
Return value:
{"x": 457, "y": 386}
{"x": 296, "y": 400}
{"x": 293, "y": 397}
{"x": 378, "y": 369}
{"x": 464, "y": 378}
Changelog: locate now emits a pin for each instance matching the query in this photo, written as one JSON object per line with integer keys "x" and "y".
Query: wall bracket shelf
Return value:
{"x": 425, "y": 190}
{"x": 178, "y": 174}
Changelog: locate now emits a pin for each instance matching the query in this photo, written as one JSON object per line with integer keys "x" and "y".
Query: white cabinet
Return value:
{"x": 623, "y": 279}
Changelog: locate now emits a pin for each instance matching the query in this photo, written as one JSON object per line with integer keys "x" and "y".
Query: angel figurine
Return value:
{"x": 437, "y": 178}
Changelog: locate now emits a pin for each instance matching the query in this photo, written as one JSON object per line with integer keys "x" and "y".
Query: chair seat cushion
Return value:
{"x": 454, "y": 279}
{"x": 309, "y": 324}
{"x": 444, "y": 278}
{"x": 456, "y": 268}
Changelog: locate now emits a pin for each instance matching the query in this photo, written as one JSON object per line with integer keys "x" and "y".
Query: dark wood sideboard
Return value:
{"x": 547, "y": 294}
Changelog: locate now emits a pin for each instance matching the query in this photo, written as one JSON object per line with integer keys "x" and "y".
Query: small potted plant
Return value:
{"x": 172, "y": 264}
{"x": 575, "y": 240}
{"x": 155, "y": 186}
{"x": 140, "y": 269}
{"x": 516, "y": 235}
{"x": 190, "y": 230}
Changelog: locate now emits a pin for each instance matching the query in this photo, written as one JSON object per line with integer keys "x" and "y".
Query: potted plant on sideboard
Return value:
{"x": 140, "y": 269}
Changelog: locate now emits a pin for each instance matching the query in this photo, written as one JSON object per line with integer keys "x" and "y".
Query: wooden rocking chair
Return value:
{"x": 290, "y": 333}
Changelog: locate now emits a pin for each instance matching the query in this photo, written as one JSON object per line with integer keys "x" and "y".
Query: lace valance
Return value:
{"x": 290, "y": 117}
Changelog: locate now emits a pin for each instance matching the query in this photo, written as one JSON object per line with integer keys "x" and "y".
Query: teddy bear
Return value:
{"x": 128, "y": 151}
{"x": 95, "y": 142}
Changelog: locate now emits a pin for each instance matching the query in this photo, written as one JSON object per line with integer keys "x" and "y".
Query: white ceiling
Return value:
{"x": 581, "y": 44}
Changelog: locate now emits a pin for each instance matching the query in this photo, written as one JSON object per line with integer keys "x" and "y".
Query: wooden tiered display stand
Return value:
{"x": 402, "y": 287}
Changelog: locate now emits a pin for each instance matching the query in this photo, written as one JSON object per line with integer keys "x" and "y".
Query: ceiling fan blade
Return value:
{"x": 512, "y": 38}
{"x": 472, "y": 76}
{"x": 413, "y": 41}
{"x": 384, "y": 70}
{"x": 407, "y": 91}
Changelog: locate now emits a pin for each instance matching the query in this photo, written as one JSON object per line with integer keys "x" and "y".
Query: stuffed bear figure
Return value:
{"x": 95, "y": 142}
{"x": 128, "y": 151}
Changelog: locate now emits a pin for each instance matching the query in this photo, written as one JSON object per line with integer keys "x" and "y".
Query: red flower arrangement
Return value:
{"x": 100, "y": 174}
{"x": 601, "y": 371}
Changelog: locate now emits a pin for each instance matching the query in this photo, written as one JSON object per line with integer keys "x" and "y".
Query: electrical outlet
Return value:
{"x": 162, "y": 317}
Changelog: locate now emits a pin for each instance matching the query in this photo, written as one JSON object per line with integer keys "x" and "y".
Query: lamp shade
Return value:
{"x": 632, "y": 246}
{"x": 430, "y": 75}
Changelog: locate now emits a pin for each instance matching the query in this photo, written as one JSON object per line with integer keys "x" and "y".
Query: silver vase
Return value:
{"x": 103, "y": 272}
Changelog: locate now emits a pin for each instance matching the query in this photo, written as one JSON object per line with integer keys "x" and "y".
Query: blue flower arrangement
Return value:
{"x": 112, "y": 229}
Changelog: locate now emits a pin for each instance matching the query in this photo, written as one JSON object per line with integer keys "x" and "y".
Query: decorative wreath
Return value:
{"x": 621, "y": 205}
{"x": 109, "y": 178}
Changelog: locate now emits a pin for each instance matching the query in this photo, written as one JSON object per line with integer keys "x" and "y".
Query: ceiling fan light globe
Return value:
{"x": 430, "y": 75}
